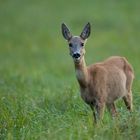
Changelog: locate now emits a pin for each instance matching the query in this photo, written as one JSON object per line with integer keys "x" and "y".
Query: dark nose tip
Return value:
{"x": 76, "y": 55}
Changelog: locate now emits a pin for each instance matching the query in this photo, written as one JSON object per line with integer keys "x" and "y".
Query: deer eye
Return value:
{"x": 70, "y": 45}
{"x": 82, "y": 44}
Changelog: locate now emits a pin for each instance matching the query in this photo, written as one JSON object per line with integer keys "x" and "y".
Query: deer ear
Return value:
{"x": 86, "y": 31}
{"x": 66, "y": 32}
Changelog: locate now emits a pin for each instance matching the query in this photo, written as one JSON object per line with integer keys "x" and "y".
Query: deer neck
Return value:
{"x": 82, "y": 73}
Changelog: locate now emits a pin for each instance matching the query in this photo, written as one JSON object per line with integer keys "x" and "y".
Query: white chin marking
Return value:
{"x": 77, "y": 59}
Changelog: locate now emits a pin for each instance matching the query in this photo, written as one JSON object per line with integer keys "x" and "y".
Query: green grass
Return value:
{"x": 39, "y": 95}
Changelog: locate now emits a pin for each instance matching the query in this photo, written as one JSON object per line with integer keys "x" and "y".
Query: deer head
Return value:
{"x": 76, "y": 43}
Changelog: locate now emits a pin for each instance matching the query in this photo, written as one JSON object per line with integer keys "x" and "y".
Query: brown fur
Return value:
{"x": 105, "y": 82}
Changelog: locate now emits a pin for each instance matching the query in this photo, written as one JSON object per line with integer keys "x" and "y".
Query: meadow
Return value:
{"x": 39, "y": 94}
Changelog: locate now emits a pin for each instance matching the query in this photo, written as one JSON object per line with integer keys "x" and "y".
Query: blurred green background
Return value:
{"x": 39, "y": 96}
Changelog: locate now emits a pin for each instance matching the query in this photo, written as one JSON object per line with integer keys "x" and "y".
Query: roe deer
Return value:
{"x": 101, "y": 83}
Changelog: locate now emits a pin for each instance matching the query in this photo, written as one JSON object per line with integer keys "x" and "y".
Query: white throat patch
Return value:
{"x": 79, "y": 74}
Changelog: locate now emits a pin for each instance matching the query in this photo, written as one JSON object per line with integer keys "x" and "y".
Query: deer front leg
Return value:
{"x": 94, "y": 112}
{"x": 98, "y": 110}
{"x": 112, "y": 109}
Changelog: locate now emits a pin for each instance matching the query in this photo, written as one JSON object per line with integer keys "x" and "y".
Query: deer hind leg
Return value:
{"x": 112, "y": 109}
{"x": 128, "y": 101}
{"x": 129, "y": 80}
{"x": 128, "y": 98}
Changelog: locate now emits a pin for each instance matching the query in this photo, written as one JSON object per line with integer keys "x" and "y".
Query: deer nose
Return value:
{"x": 76, "y": 55}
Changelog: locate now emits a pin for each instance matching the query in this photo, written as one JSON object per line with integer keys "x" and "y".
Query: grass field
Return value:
{"x": 39, "y": 95}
